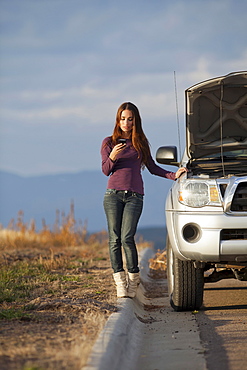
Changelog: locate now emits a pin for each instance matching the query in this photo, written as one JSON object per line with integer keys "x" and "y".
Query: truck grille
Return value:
{"x": 239, "y": 202}
{"x": 229, "y": 234}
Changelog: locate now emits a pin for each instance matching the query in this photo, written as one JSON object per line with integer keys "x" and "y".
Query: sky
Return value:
{"x": 67, "y": 65}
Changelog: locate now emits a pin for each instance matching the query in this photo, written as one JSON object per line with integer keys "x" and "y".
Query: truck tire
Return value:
{"x": 185, "y": 282}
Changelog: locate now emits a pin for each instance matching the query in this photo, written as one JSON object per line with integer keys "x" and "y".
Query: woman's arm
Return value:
{"x": 109, "y": 155}
{"x": 107, "y": 163}
{"x": 154, "y": 169}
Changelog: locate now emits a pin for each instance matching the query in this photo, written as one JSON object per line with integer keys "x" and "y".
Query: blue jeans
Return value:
{"x": 123, "y": 210}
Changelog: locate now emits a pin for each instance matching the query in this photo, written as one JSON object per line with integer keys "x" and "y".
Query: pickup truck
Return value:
{"x": 206, "y": 208}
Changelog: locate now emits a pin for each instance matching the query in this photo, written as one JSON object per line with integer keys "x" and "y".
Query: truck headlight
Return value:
{"x": 199, "y": 194}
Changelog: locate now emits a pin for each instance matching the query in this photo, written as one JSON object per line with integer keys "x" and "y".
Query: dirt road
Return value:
{"x": 223, "y": 325}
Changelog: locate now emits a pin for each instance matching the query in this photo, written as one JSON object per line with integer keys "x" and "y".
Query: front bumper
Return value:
{"x": 210, "y": 245}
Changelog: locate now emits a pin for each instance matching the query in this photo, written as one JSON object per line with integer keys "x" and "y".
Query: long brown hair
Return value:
{"x": 138, "y": 138}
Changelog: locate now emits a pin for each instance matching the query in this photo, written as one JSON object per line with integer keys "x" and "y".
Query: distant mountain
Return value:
{"x": 40, "y": 196}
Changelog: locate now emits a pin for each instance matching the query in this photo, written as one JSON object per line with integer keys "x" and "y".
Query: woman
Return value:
{"x": 124, "y": 154}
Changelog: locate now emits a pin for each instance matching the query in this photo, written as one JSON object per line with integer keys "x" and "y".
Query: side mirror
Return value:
{"x": 167, "y": 155}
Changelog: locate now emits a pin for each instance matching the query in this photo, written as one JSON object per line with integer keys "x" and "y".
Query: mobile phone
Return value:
{"x": 122, "y": 141}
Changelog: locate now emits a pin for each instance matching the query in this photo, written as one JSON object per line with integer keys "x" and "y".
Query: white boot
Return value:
{"x": 121, "y": 283}
{"x": 133, "y": 282}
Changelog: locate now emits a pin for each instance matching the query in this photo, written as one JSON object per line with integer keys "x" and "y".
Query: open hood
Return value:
{"x": 216, "y": 115}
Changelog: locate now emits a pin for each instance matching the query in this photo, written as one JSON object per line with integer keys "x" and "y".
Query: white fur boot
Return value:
{"x": 133, "y": 282}
{"x": 121, "y": 283}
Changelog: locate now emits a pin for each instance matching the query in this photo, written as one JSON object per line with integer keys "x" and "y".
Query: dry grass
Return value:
{"x": 158, "y": 265}
{"x": 65, "y": 232}
{"x": 56, "y": 293}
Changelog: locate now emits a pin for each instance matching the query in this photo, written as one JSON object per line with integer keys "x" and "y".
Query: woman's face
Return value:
{"x": 126, "y": 122}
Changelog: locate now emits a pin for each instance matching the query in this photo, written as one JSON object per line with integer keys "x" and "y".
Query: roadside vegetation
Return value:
{"x": 56, "y": 293}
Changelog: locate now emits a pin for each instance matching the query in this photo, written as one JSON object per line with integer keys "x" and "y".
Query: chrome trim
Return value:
{"x": 233, "y": 183}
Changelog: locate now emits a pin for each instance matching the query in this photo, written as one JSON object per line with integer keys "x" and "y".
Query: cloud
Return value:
{"x": 93, "y": 104}
{"x": 67, "y": 65}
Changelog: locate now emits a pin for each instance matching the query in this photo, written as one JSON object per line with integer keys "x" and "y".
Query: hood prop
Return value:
{"x": 221, "y": 127}
{"x": 176, "y": 98}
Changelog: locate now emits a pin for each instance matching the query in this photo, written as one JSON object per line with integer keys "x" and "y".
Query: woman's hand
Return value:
{"x": 180, "y": 171}
{"x": 116, "y": 150}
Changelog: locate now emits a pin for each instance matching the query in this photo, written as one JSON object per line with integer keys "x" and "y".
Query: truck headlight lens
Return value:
{"x": 199, "y": 194}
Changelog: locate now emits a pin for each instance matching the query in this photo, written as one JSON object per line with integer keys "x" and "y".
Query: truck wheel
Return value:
{"x": 185, "y": 282}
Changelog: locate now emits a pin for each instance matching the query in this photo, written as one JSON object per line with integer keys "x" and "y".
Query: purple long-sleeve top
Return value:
{"x": 125, "y": 171}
